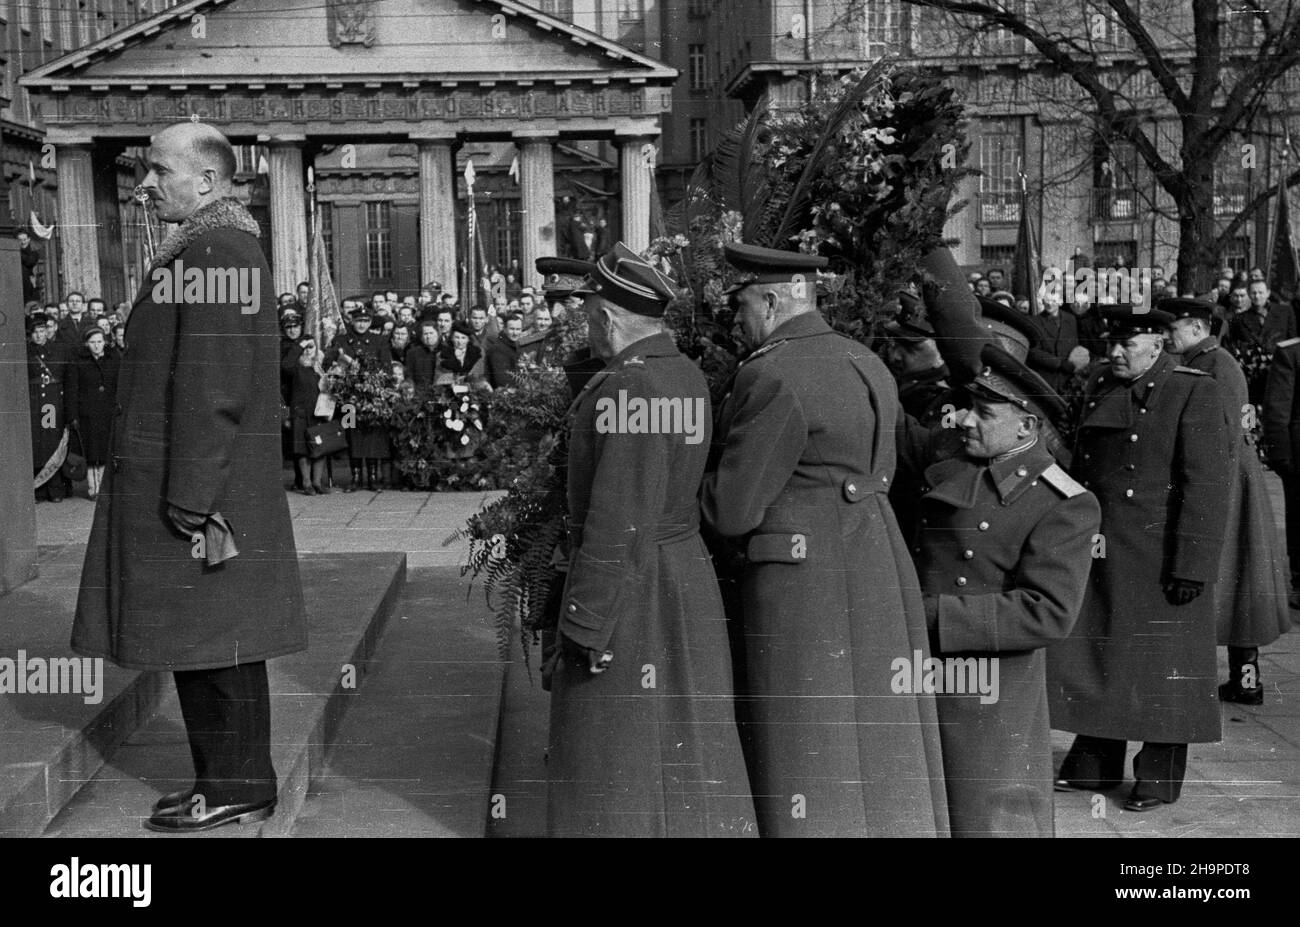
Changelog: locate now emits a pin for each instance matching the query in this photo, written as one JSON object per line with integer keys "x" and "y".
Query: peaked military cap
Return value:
{"x": 1014, "y": 331}
{"x": 628, "y": 281}
{"x": 769, "y": 265}
{"x": 561, "y": 276}
{"x": 1184, "y": 307}
{"x": 1005, "y": 379}
{"x": 1123, "y": 321}
{"x": 911, "y": 323}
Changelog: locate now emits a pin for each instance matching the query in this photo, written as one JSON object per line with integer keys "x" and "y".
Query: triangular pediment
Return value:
{"x": 310, "y": 42}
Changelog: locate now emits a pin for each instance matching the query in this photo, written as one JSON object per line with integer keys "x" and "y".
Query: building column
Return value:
{"x": 637, "y": 156}
{"x": 537, "y": 182}
{"x": 77, "y": 224}
{"x": 17, "y": 511}
{"x": 438, "y": 212}
{"x": 289, "y": 242}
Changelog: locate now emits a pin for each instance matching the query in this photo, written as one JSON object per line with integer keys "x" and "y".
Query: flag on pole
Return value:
{"x": 1282, "y": 272}
{"x": 514, "y": 170}
{"x": 471, "y": 230}
{"x": 324, "y": 302}
{"x": 1025, "y": 273}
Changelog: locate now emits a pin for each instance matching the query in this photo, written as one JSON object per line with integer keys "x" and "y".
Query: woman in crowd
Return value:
{"x": 89, "y": 399}
{"x": 422, "y": 358}
{"x": 460, "y": 359}
{"x": 304, "y": 392}
{"x": 399, "y": 341}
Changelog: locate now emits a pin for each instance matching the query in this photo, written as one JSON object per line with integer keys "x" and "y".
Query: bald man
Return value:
{"x": 191, "y": 567}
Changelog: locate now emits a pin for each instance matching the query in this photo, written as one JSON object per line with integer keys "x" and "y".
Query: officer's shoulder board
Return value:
{"x": 1200, "y": 373}
{"x": 634, "y": 361}
{"x": 1288, "y": 342}
{"x": 1062, "y": 482}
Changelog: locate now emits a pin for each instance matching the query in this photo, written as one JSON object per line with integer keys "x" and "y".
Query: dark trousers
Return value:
{"x": 1291, "y": 494}
{"x": 1098, "y": 763}
{"x": 227, "y": 715}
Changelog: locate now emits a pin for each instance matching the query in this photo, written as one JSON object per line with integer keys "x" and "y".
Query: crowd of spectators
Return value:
{"x": 429, "y": 341}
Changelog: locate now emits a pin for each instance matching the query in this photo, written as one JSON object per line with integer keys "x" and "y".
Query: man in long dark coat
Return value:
{"x": 829, "y": 596}
{"x": 1140, "y": 663}
{"x": 1282, "y": 443}
{"x": 191, "y": 567}
{"x": 1003, "y": 555}
{"x": 1250, "y": 595}
{"x": 643, "y": 738}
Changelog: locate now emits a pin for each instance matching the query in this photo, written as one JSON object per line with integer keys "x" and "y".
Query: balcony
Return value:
{"x": 1230, "y": 199}
{"x": 1114, "y": 204}
{"x": 1002, "y": 208}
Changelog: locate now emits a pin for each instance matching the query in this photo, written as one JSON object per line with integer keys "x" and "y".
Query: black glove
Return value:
{"x": 1182, "y": 591}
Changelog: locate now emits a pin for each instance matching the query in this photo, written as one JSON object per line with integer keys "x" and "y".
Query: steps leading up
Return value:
{"x": 53, "y": 749}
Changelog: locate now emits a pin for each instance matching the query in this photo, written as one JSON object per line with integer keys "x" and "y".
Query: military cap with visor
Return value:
{"x": 628, "y": 281}
{"x": 770, "y": 265}
{"x": 561, "y": 277}
{"x": 1123, "y": 321}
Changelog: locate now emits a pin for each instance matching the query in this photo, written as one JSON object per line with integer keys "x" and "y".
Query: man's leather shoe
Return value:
{"x": 174, "y": 799}
{"x": 1133, "y": 803}
{"x": 1233, "y": 692}
{"x": 180, "y": 820}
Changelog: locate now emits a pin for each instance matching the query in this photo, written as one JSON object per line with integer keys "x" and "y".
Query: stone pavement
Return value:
{"x": 391, "y": 774}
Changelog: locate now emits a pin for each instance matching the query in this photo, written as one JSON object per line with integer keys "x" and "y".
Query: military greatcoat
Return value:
{"x": 1003, "y": 555}
{"x": 649, "y": 747}
{"x": 1250, "y": 597}
{"x": 829, "y": 595}
{"x": 1136, "y": 667}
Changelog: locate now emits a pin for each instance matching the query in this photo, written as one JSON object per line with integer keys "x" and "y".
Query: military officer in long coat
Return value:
{"x": 1250, "y": 594}
{"x": 191, "y": 566}
{"x": 1003, "y": 551}
{"x": 1140, "y": 662}
{"x": 47, "y": 364}
{"x": 643, "y": 737}
{"x": 829, "y": 596}
{"x": 1282, "y": 443}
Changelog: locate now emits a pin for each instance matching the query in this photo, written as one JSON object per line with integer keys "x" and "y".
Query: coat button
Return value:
{"x": 1151, "y": 384}
{"x": 984, "y": 526}
{"x": 1092, "y": 405}
{"x": 852, "y": 489}
{"x": 1022, "y": 471}
{"x": 968, "y": 554}
{"x": 1130, "y": 467}
{"x": 573, "y": 608}
{"x": 1132, "y": 437}
{"x": 1142, "y": 411}
{"x": 1128, "y": 494}
{"x": 961, "y": 580}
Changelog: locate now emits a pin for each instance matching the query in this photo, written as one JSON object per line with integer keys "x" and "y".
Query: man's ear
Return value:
{"x": 1026, "y": 428}
{"x": 207, "y": 181}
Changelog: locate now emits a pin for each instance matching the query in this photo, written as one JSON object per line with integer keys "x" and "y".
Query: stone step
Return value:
{"x": 104, "y": 773}
{"x": 414, "y": 755}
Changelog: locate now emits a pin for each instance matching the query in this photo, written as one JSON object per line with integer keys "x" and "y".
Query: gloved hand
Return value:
{"x": 1182, "y": 591}
{"x": 185, "y": 521}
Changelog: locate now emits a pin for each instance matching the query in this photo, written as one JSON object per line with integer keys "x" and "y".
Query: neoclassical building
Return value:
{"x": 386, "y": 102}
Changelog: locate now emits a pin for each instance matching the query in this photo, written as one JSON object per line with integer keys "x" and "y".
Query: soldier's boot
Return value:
{"x": 1243, "y": 686}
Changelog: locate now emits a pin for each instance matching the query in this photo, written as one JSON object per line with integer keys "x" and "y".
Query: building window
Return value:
{"x": 379, "y": 241}
{"x": 698, "y": 8}
{"x": 699, "y": 79}
{"x": 1114, "y": 173}
{"x": 47, "y": 21}
{"x": 1231, "y": 183}
{"x": 1236, "y": 254}
{"x": 997, "y": 255}
{"x": 1001, "y": 145}
{"x": 505, "y": 231}
{"x": 631, "y": 24}
{"x": 25, "y": 15}
{"x": 1105, "y": 31}
{"x": 560, "y": 9}
{"x": 326, "y": 213}
{"x": 1238, "y": 25}
{"x": 699, "y": 138}
{"x": 881, "y": 20}
{"x": 66, "y": 38}
{"x": 1116, "y": 254}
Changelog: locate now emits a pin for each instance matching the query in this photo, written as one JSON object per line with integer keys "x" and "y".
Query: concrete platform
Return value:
{"x": 54, "y": 749}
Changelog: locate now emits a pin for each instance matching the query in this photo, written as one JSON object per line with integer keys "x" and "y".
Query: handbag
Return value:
{"x": 74, "y": 465}
{"x": 325, "y": 439}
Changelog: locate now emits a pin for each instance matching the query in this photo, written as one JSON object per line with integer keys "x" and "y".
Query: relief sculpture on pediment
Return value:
{"x": 350, "y": 22}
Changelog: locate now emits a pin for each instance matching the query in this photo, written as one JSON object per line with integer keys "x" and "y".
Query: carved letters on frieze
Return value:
{"x": 415, "y": 106}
